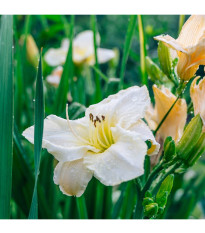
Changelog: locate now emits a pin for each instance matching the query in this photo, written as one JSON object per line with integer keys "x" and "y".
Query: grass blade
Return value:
{"x": 128, "y": 42}
{"x": 67, "y": 75}
{"x": 181, "y": 22}
{"x": 98, "y": 92}
{"x": 38, "y": 135}
{"x": 6, "y": 114}
{"x": 142, "y": 51}
{"x": 82, "y": 210}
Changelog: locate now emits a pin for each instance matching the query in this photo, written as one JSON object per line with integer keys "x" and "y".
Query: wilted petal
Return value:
{"x": 192, "y": 31}
{"x": 146, "y": 134}
{"x": 72, "y": 177}
{"x": 197, "y": 92}
{"x": 122, "y": 161}
{"x": 59, "y": 140}
{"x": 55, "y": 57}
{"x": 125, "y": 107}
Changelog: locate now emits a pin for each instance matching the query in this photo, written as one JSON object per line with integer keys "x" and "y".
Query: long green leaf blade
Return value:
{"x": 38, "y": 135}
{"x": 6, "y": 114}
{"x": 128, "y": 42}
{"x": 67, "y": 75}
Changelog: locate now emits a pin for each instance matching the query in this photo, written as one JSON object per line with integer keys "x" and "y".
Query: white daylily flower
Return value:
{"x": 108, "y": 143}
{"x": 55, "y": 76}
{"x": 83, "y": 51}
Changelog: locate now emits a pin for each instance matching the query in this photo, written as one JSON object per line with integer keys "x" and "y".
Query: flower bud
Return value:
{"x": 189, "y": 137}
{"x": 32, "y": 52}
{"x": 151, "y": 210}
{"x": 164, "y": 58}
{"x": 154, "y": 72}
{"x": 148, "y": 194}
{"x": 169, "y": 149}
{"x": 147, "y": 201}
{"x": 197, "y": 151}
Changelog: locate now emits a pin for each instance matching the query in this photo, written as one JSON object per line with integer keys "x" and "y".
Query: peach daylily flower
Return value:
{"x": 197, "y": 93}
{"x": 174, "y": 124}
{"x": 108, "y": 142}
{"x": 190, "y": 46}
{"x": 55, "y": 77}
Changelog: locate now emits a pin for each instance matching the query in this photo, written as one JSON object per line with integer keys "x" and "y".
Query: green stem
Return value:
{"x": 142, "y": 51}
{"x": 98, "y": 92}
{"x": 99, "y": 201}
{"x": 127, "y": 45}
{"x": 181, "y": 22}
{"x": 82, "y": 210}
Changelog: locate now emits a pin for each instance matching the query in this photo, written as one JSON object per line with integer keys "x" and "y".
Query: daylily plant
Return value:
{"x": 83, "y": 51}
{"x": 197, "y": 92}
{"x": 190, "y": 46}
{"x": 174, "y": 123}
{"x": 108, "y": 143}
{"x": 55, "y": 76}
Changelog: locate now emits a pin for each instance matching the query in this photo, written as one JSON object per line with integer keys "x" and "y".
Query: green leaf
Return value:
{"x": 142, "y": 51}
{"x": 67, "y": 75}
{"x": 38, "y": 136}
{"x": 6, "y": 114}
{"x": 98, "y": 93}
{"x": 128, "y": 42}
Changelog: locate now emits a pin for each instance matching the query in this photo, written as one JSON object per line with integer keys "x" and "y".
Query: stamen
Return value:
{"x": 71, "y": 129}
{"x": 103, "y": 117}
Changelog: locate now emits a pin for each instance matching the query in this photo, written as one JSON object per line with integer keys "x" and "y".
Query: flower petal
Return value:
{"x": 59, "y": 140}
{"x": 122, "y": 161}
{"x": 189, "y": 63}
{"x": 55, "y": 57}
{"x": 104, "y": 55}
{"x": 72, "y": 177}
{"x": 171, "y": 42}
{"x": 146, "y": 134}
{"x": 54, "y": 78}
{"x": 174, "y": 124}
{"x": 65, "y": 44}
{"x": 125, "y": 107}
{"x": 192, "y": 31}
{"x": 85, "y": 39}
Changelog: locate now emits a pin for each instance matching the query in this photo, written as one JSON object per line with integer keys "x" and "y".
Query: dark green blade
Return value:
{"x": 38, "y": 135}
{"x": 6, "y": 114}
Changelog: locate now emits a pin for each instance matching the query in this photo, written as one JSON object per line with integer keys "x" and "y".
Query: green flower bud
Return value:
{"x": 189, "y": 137}
{"x": 148, "y": 194}
{"x": 164, "y": 190}
{"x": 165, "y": 58}
{"x": 169, "y": 149}
{"x": 160, "y": 210}
{"x": 147, "y": 201}
{"x": 154, "y": 72}
{"x": 151, "y": 210}
{"x": 197, "y": 151}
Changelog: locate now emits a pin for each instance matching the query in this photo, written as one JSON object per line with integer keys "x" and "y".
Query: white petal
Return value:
{"x": 72, "y": 177}
{"x": 146, "y": 134}
{"x": 122, "y": 161}
{"x": 60, "y": 141}
{"x": 85, "y": 39}
{"x": 104, "y": 55}
{"x": 65, "y": 44}
{"x": 55, "y": 57}
{"x": 125, "y": 107}
{"x": 54, "y": 78}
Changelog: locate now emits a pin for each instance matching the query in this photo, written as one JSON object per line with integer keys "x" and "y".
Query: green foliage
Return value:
{"x": 6, "y": 114}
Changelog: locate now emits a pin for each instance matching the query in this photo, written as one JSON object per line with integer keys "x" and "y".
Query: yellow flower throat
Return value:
{"x": 100, "y": 135}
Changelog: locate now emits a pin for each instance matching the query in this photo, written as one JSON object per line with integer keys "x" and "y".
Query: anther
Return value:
{"x": 98, "y": 119}
{"x": 95, "y": 123}
{"x": 91, "y": 116}
{"x": 103, "y": 117}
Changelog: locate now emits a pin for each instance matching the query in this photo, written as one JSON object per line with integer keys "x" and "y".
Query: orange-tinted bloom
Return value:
{"x": 190, "y": 46}
{"x": 174, "y": 124}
